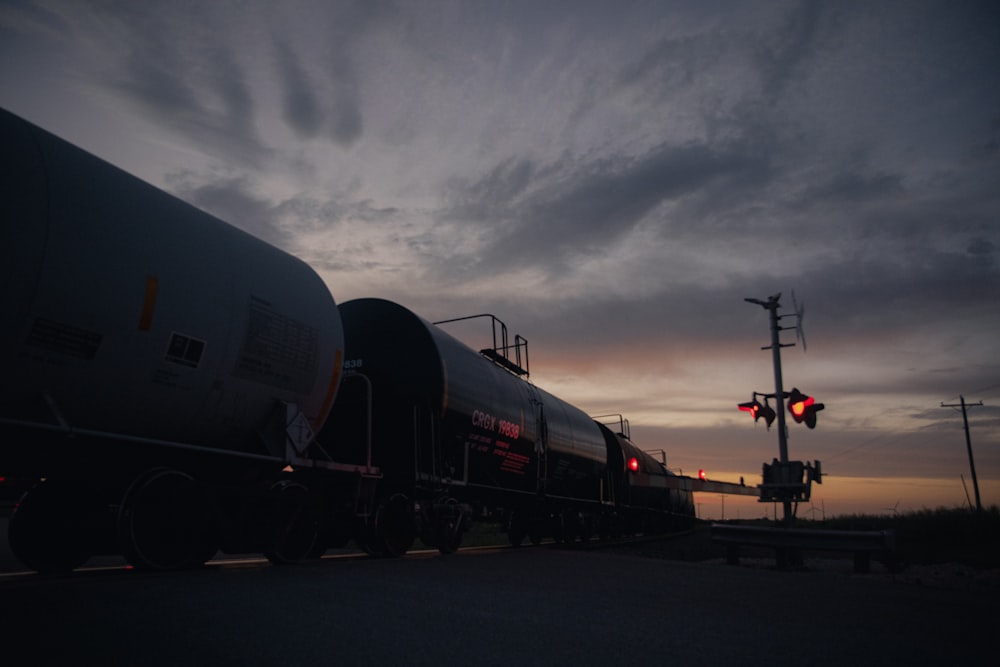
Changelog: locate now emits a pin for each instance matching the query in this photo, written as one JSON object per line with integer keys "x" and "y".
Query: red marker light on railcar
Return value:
{"x": 633, "y": 464}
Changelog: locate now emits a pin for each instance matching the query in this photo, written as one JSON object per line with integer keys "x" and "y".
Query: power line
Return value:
{"x": 981, "y": 392}
{"x": 879, "y": 440}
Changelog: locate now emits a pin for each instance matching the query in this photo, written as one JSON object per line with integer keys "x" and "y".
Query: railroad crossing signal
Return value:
{"x": 803, "y": 408}
{"x": 757, "y": 411}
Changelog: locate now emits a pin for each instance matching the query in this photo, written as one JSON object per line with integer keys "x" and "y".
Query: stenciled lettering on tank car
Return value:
{"x": 484, "y": 420}
{"x": 510, "y": 429}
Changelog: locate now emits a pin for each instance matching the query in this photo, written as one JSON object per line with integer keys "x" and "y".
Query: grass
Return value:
{"x": 484, "y": 533}
{"x": 937, "y": 536}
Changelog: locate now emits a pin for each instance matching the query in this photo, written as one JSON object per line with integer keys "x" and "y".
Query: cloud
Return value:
{"x": 346, "y": 122}
{"x": 786, "y": 52}
{"x": 214, "y": 109}
{"x": 177, "y": 70}
{"x": 327, "y": 103}
{"x": 553, "y": 214}
{"x": 301, "y": 108}
{"x": 325, "y": 97}
{"x": 232, "y": 199}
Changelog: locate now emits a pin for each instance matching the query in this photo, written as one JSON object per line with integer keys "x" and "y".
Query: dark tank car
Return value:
{"x": 454, "y": 430}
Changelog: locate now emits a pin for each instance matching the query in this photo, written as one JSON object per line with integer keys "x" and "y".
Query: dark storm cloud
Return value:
{"x": 890, "y": 268}
{"x": 232, "y": 199}
{"x": 577, "y": 207}
{"x": 197, "y": 87}
{"x": 301, "y": 107}
{"x": 851, "y": 185}
{"x": 325, "y": 104}
{"x": 341, "y": 101}
{"x": 323, "y": 98}
{"x": 346, "y": 123}
{"x": 737, "y": 72}
{"x": 24, "y": 17}
{"x": 789, "y": 49}
{"x": 984, "y": 249}
{"x": 161, "y": 82}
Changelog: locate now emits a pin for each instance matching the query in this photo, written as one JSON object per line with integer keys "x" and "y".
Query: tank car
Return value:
{"x": 453, "y": 430}
{"x": 450, "y": 428}
{"x": 151, "y": 357}
{"x": 649, "y": 497}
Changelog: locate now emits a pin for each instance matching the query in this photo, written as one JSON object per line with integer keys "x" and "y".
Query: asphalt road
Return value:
{"x": 529, "y": 606}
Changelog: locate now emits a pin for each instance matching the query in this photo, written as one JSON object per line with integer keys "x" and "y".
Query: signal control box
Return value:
{"x": 789, "y": 481}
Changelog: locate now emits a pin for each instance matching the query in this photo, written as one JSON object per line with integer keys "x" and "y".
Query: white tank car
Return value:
{"x": 127, "y": 311}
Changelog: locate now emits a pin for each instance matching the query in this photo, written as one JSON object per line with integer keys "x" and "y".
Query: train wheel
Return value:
{"x": 50, "y": 529}
{"x": 166, "y": 522}
{"x": 515, "y": 530}
{"x": 367, "y": 538}
{"x": 570, "y": 521}
{"x": 394, "y": 525}
{"x": 536, "y": 531}
{"x": 586, "y": 528}
{"x": 449, "y": 526}
{"x": 337, "y": 531}
{"x": 290, "y": 527}
{"x": 556, "y": 527}
{"x": 610, "y": 527}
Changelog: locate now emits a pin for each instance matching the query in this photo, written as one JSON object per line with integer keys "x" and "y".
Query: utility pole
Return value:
{"x": 968, "y": 443}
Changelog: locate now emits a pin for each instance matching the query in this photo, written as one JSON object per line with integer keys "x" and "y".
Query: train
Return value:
{"x": 174, "y": 387}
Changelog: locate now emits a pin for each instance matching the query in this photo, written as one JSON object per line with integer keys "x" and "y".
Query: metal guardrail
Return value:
{"x": 789, "y": 542}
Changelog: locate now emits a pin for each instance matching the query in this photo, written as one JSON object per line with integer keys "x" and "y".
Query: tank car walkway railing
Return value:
{"x": 500, "y": 353}
{"x": 788, "y": 543}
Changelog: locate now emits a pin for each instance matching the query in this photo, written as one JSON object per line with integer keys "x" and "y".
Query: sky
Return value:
{"x": 612, "y": 180}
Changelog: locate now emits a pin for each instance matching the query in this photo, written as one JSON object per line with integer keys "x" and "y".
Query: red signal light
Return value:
{"x": 633, "y": 464}
{"x": 701, "y": 474}
{"x": 798, "y": 408}
{"x": 803, "y": 408}
{"x": 757, "y": 411}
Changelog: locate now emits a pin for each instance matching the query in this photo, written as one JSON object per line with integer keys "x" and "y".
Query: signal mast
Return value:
{"x": 783, "y": 479}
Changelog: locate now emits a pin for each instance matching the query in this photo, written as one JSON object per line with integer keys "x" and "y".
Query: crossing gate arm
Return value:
{"x": 710, "y": 486}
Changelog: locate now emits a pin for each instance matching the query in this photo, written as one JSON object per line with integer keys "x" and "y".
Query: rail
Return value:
{"x": 789, "y": 542}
